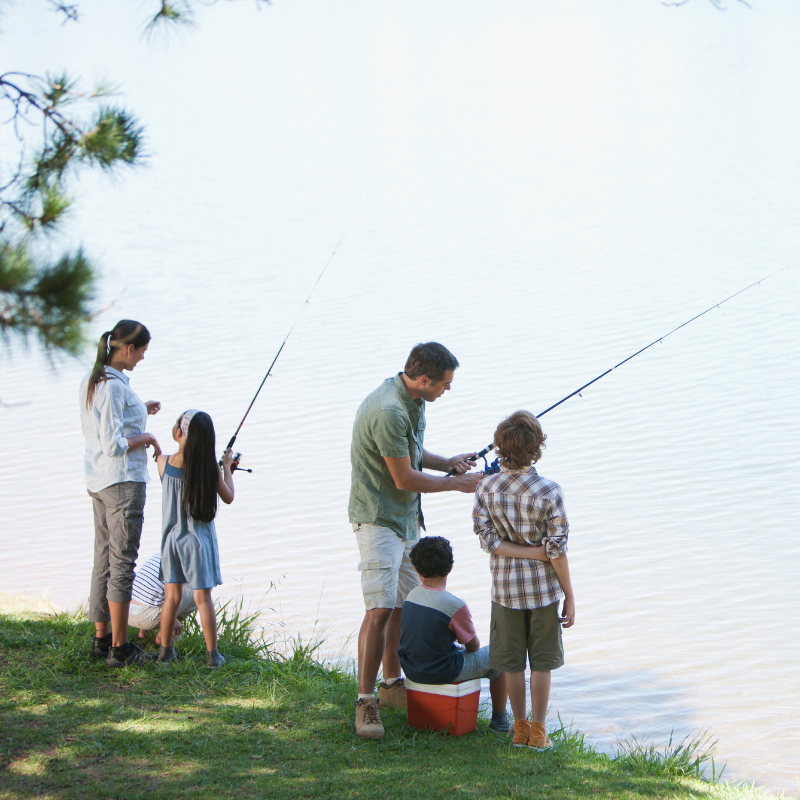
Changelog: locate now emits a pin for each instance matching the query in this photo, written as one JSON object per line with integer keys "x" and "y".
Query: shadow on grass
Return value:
{"x": 264, "y": 726}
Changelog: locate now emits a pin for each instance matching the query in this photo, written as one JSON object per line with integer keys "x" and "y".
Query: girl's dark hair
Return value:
{"x": 432, "y": 557}
{"x": 519, "y": 440}
{"x": 125, "y": 332}
{"x": 200, "y": 470}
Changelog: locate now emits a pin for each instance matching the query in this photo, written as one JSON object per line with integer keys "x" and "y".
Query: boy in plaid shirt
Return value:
{"x": 520, "y": 519}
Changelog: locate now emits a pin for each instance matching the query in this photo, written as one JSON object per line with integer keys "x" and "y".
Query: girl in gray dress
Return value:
{"x": 191, "y": 483}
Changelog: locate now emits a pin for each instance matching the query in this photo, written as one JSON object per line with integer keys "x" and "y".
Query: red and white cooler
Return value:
{"x": 446, "y": 706}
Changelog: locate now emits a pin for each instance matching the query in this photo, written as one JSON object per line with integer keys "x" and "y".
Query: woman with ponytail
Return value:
{"x": 113, "y": 420}
{"x": 191, "y": 482}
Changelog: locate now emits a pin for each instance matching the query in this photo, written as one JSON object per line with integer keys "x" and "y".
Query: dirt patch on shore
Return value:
{"x": 17, "y": 604}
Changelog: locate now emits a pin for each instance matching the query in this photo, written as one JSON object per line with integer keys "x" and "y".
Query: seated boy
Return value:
{"x": 433, "y": 620}
{"x": 520, "y": 519}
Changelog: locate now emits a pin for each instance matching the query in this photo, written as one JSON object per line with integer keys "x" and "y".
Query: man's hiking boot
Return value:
{"x": 522, "y": 732}
{"x": 499, "y": 722}
{"x": 214, "y": 659}
{"x": 100, "y": 646}
{"x": 368, "y": 719}
{"x": 393, "y": 695}
{"x": 167, "y": 654}
{"x": 538, "y": 738}
{"x": 126, "y": 655}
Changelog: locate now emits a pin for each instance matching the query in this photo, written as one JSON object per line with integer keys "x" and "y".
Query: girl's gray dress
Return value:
{"x": 189, "y": 551}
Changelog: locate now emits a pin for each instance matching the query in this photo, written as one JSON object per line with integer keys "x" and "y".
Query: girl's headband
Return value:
{"x": 186, "y": 419}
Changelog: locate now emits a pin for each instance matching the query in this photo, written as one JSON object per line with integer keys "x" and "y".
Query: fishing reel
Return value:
{"x": 491, "y": 469}
{"x": 237, "y": 457}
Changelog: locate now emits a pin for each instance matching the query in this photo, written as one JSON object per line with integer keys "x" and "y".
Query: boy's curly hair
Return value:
{"x": 432, "y": 557}
{"x": 519, "y": 440}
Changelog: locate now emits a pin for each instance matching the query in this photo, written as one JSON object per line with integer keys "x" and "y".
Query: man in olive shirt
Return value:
{"x": 388, "y": 457}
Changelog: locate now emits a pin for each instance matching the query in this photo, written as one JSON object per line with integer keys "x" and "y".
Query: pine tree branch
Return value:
{"x": 50, "y": 301}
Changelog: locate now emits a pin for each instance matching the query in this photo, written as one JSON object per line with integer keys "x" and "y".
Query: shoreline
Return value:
{"x": 266, "y": 723}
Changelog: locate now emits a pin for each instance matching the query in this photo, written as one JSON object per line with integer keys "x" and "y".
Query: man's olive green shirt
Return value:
{"x": 389, "y": 423}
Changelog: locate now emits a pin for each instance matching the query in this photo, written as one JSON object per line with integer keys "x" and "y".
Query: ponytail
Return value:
{"x": 125, "y": 332}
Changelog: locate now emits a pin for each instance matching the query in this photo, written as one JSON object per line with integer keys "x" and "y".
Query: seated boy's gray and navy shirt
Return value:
{"x": 433, "y": 620}
{"x": 389, "y": 423}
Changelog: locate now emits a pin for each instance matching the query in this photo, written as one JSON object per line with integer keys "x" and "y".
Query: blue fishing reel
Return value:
{"x": 492, "y": 469}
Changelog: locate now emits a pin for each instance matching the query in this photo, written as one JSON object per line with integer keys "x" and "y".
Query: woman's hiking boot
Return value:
{"x": 393, "y": 695}
{"x": 368, "y": 718}
{"x": 100, "y": 646}
{"x": 499, "y": 722}
{"x": 214, "y": 659}
{"x": 167, "y": 654}
{"x": 522, "y": 732}
{"x": 538, "y": 739}
{"x": 127, "y": 655}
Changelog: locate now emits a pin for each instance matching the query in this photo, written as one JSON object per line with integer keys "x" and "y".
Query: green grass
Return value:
{"x": 269, "y": 726}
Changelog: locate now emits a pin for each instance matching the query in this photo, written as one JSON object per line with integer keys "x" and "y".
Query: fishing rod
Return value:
{"x": 483, "y": 452}
{"x": 280, "y": 350}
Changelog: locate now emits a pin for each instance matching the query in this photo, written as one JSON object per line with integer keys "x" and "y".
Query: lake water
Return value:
{"x": 545, "y": 188}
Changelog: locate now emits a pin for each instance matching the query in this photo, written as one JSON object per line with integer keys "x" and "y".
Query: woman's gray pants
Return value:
{"x": 118, "y": 518}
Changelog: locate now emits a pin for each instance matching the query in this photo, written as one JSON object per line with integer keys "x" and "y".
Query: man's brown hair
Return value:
{"x": 431, "y": 359}
{"x": 519, "y": 440}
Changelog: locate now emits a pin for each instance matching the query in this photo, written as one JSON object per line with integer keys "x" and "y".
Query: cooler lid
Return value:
{"x": 447, "y": 689}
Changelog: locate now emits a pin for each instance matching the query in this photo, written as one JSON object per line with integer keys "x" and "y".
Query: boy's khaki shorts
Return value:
{"x": 517, "y": 631}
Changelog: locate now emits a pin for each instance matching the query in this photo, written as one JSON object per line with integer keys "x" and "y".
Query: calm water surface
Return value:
{"x": 545, "y": 190}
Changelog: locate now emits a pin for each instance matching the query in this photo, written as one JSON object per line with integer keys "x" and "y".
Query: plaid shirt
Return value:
{"x": 521, "y": 507}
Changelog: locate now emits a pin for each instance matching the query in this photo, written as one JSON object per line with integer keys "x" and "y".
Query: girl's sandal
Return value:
{"x": 214, "y": 659}
{"x": 167, "y": 654}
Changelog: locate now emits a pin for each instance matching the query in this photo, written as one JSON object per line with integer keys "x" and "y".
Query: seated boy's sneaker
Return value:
{"x": 499, "y": 722}
{"x": 368, "y": 719}
{"x": 100, "y": 646}
{"x": 393, "y": 695}
{"x": 214, "y": 659}
{"x": 538, "y": 739}
{"x": 127, "y": 655}
{"x": 167, "y": 654}
{"x": 522, "y": 732}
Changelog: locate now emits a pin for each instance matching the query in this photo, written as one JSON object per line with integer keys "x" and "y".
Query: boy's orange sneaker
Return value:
{"x": 522, "y": 732}
{"x": 538, "y": 737}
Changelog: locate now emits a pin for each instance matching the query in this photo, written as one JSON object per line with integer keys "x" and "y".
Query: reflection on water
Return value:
{"x": 546, "y": 195}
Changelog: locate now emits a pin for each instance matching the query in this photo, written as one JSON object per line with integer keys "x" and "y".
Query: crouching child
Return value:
{"x": 520, "y": 519}
{"x": 433, "y": 620}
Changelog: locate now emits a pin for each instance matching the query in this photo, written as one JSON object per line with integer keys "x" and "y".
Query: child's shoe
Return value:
{"x": 522, "y": 732}
{"x": 167, "y": 654}
{"x": 214, "y": 659}
{"x": 538, "y": 739}
{"x": 393, "y": 695}
{"x": 100, "y": 646}
{"x": 499, "y": 722}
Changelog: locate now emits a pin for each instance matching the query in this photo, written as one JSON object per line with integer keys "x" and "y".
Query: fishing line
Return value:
{"x": 625, "y": 361}
{"x": 286, "y": 339}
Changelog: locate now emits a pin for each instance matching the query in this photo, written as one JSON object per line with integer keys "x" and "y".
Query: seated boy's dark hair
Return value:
{"x": 432, "y": 557}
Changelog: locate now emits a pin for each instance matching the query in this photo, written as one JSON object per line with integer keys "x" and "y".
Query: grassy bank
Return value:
{"x": 262, "y": 726}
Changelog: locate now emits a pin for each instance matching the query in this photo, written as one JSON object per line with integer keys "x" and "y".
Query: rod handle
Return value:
{"x": 481, "y": 454}
{"x": 230, "y": 445}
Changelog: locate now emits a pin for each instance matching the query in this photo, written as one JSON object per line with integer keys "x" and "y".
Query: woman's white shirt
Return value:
{"x": 116, "y": 414}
